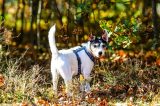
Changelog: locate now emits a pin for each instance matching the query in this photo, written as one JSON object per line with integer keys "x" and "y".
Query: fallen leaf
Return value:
{"x": 41, "y": 102}
{"x": 24, "y": 104}
{"x": 81, "y": 78}
{"x": 158, "y": 62}
{"x": 1, "y": 80}
{"x": 121, "y": 53}
{"x": 103, "y": 103}
{"x": 90, "y": 100}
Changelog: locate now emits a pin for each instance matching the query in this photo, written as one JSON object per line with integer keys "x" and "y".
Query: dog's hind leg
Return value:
{"x": 66, "y": 74}
{"x": 55, "y": 78}
{"x": 69, "y": 87}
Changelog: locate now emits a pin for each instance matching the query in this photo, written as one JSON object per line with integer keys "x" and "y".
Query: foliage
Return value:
{"x": 124, "y": 19}
{"x": 122, "y": 34}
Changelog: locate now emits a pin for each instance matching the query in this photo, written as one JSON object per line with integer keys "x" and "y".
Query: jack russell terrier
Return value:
{"x": 75, "y": 61}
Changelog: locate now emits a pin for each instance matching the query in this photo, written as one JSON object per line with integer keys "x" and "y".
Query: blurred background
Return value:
{"x": 132, "y": 24}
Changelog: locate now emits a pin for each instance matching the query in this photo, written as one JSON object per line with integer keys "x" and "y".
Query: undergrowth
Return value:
{"x": 131, "y": 79}
{"x": 21, "y": 84}
{"x": 126, "y": 82}
{"x": 132, "y": 82}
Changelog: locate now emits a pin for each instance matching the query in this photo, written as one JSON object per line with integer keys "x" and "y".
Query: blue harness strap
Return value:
{"x": 78, "y": 58}
{"x": 89, "y": 54}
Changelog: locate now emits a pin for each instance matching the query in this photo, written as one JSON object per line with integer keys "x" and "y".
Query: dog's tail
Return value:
{"x": 52, "y": 43}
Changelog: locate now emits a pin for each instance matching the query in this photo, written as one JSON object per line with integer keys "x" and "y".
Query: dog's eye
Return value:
{"x": 94, "y": 46}
{"x": 97, "y": 45}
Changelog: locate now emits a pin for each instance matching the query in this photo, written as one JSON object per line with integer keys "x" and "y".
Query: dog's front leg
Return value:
{"x": 87, "y": 86}
{"x": 87, "y": 80}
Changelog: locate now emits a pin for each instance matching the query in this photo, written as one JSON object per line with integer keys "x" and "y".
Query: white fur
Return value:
{"x": 64, "y": 63}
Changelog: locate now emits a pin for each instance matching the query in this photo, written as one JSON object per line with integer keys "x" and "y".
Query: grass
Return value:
{"x": 116, "y": 83}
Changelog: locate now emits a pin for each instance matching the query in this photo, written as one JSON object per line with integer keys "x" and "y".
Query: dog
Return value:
{"x": 75, "y": 61}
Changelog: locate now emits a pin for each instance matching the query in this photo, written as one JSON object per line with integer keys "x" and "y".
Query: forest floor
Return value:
{"x": 127, "y": 83}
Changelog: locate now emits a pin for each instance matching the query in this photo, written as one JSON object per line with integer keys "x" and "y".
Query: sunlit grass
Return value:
{"x": 31, "y": 86}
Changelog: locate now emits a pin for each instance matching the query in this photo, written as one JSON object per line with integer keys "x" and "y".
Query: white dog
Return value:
{"x": 75, "y": 61}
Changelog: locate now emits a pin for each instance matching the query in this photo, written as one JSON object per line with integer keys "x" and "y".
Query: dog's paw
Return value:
{"x": 87, "y": 88}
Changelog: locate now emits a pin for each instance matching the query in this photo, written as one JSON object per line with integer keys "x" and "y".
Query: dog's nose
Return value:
{"x": 100, "y": 53}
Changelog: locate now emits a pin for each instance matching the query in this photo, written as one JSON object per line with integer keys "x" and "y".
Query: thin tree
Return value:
{"x": 57, "y": 11}
{"x": 38, "y": 22}
{"x": 31, "y": 21}
{"x": 3, "y": 16}
{"x": 17, "y": 11}
{"x": 20, "y": 37}
{"x": 155, "y": 23}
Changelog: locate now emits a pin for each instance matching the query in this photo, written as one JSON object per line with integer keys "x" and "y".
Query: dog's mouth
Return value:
{"x": 99, "y": 56}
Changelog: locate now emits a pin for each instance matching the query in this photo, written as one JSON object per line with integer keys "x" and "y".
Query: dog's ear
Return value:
{"x": 105, "y": 35}
{"x": 91, "y": 37}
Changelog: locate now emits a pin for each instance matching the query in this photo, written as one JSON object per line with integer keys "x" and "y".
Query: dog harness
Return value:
{"x": 78, "y": 58}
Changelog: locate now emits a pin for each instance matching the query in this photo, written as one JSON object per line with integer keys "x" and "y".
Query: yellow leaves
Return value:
{"x": 64, "y": 20}
{"x": 43, "y": 25}
{"x": 150, "y": 53}
{"x": 133, "y": 5}
{"x": 103, "y": 14}
{"x": 1, "y": 1}
{"x": 81, "y": 78}
{"x": 86, "y": 37}
{"x": 94, "y": 6}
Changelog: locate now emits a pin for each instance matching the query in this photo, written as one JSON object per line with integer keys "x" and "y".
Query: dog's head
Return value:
{"x": 98, "y": 45}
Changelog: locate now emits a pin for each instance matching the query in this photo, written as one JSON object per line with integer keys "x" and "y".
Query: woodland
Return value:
{"x": 129, "y": 75}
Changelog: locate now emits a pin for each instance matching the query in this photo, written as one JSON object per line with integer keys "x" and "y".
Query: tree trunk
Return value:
{"x": 20, "y": 38}
{"x": 17, "y": 11}
{"x": 31, "y": 21}
{"x": 3, "y": 8}
{"x": 155, "y": 23}
{"x": 38, "y": 22}
{"x": 56, "y": 10}
{"x": 68, "y": 21}
{"x": 3, "y": 16}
